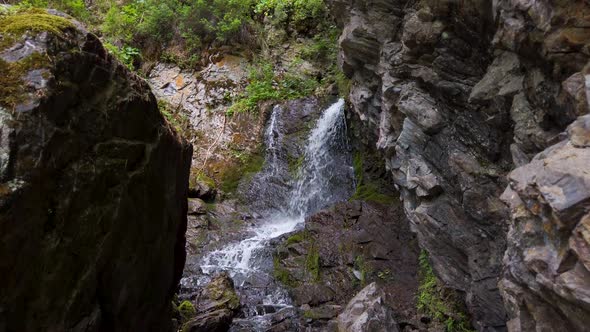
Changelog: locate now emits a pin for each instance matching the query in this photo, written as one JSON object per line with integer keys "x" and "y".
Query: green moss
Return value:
{"x": 364, "y": 269}
{"x": 187, "y": 310}
{"x": 440, "y": 304}
{"x": 12, "y": 86}
{"x": 198, "y": 175}
{"x": 310, "y": 314}
{"x": 295, "y": 238}
{"x": 176, "y": 118}
{"x": 14, "y": 24}
{"x": 312, "y": 262}
{"x": 366, "y": 190}
{"x": 295, "y": 165}
{"x": 282, "y": 275}
{"x": 247, "y": 165}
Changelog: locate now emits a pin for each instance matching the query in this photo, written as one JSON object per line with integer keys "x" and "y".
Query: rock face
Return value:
{"x": 455, "y": 94}
{"x": 341, "y": 250}
{"x": 93, "y": 187}
{"x": 547, "y": 273}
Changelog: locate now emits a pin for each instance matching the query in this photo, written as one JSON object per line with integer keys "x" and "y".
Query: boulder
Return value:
{"x": 217, "y": 305}
{"x": 366, "y": 312}
{"x": 93, "y": 186}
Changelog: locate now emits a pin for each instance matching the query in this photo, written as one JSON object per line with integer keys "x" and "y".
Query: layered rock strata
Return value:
{"x": 455, "y": 94}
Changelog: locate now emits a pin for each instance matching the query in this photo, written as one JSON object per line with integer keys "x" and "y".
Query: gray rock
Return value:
{"x": 196, "y": 206}
{"x": 366, "y": 312}
{"x": 454, "y": 99}
{"x": 547, "y": 275}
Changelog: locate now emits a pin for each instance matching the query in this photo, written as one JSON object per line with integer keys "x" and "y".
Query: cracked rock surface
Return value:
{"x": 456, "y": 94}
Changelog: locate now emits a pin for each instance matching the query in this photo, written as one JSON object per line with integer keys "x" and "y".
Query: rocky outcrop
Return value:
{"x": 547, "y": 267}
{"x": 93, "y": 186}
{"x": 341, "y": 250}
{"x": 455, "y": 94}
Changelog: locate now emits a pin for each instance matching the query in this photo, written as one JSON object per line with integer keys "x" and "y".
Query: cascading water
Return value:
{"x": 323, "y": 178}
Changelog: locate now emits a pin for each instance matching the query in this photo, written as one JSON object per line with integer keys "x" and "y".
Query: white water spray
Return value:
{"x": 310, "y": 191}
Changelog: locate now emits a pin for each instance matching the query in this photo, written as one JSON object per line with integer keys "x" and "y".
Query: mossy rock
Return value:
{"x": 187, "y": 310}
{"x": 14, "y": 24}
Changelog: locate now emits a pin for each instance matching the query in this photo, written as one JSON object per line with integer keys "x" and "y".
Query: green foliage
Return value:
{"x": 176, "y": 118}
{"x": 265, "y": 85}
{"x": 120, "y": 23}
{"x": 366, "y": 190}
{"x": 433, "y": 300}
{"x": 76, "y": 8}
{"x": 296, "y": 15}
{"x": 187, "y": 310}
{"x": 295, "y": 238}
{"x": 312, "y": 262}
{"x": 126, "y": 55}
{"x": 282, "y": 275}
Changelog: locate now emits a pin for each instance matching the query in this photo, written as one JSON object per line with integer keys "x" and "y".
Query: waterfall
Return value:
{"x": 312, "y": 190}
{"x": 324, "y": 177}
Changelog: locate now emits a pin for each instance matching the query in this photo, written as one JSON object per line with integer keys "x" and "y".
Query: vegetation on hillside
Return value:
{"x": 441, "y": 304}
{"x": 175, "y": 29}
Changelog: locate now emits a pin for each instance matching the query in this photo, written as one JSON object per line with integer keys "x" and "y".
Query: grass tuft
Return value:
{"x": 437, "y": 302}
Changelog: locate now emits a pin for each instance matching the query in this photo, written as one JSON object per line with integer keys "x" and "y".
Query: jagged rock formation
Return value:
{"x": 93, "y": 186}
{"x": 547, "y": 274}
{"x": 455, "y": 94}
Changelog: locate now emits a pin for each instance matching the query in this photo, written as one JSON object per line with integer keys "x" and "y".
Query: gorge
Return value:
{"x": 337, "y": 165}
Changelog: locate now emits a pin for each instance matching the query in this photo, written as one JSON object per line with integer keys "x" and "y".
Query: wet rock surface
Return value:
{"x": 342, "y": 249}
{"x": 455, "y": 95}
{"x": 547, "y": 270}
{"x": 93, "y": 187}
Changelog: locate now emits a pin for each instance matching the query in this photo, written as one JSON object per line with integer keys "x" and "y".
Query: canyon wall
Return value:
{"x": 93, "y": 186}
{"x": 454, "y": 95}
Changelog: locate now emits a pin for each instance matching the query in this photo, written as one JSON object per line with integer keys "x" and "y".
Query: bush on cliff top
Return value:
{"x": 152, "y": 25}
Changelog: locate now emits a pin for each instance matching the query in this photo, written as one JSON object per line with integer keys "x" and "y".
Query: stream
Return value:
{"x": 324, "y": 176}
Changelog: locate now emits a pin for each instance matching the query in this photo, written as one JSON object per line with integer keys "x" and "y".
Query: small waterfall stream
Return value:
{"x": 316, "y": 185}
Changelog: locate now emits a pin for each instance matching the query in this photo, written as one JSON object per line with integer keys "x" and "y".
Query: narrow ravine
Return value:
{"x": 324, "y": 177}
